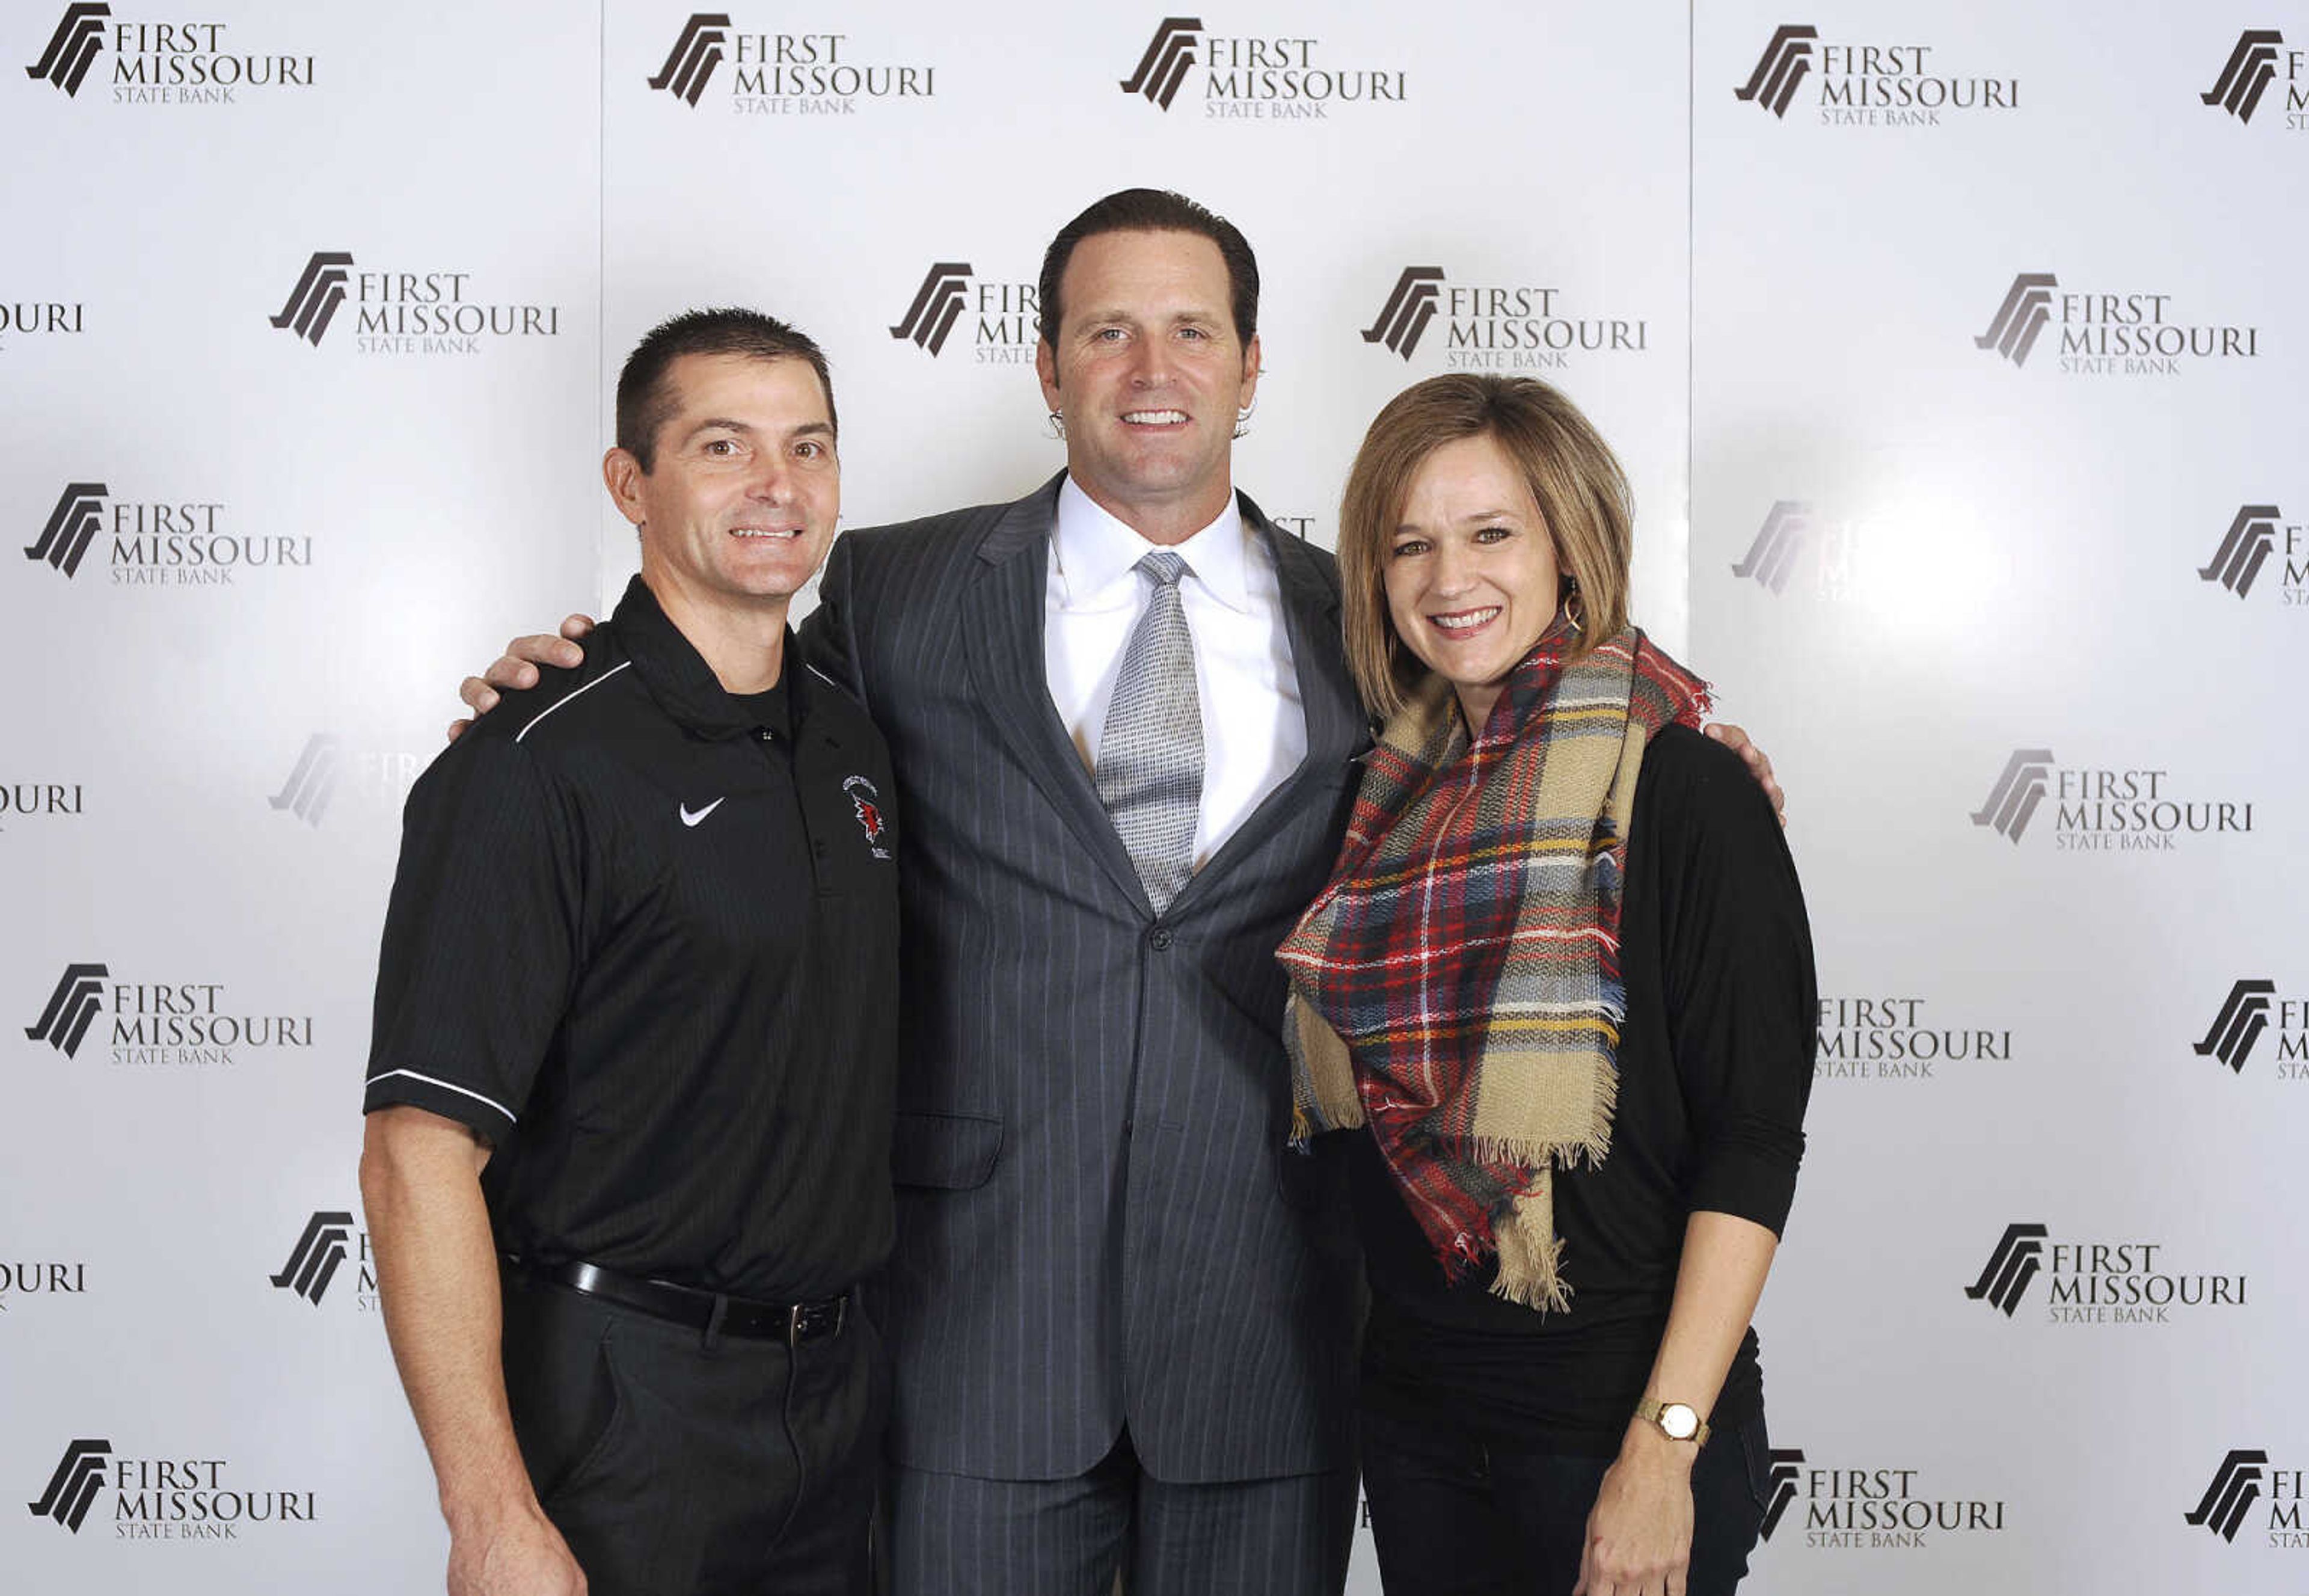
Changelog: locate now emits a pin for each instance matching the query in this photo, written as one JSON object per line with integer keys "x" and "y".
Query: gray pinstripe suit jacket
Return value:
{"x": 1099, "y": 1219}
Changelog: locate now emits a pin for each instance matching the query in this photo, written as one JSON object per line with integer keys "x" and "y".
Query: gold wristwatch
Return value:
{"x": 1677, "y": 1421}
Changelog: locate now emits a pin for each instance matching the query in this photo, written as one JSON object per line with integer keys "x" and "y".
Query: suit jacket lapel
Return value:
{"x": 1003, "y": 635}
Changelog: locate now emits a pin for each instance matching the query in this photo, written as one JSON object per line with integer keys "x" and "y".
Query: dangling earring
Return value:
{"x": 1572, "y": 608}
{"x": 1058, "y": 426}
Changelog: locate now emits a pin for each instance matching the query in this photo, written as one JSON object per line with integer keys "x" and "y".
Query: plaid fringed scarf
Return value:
{"x": 1466, "y": 953}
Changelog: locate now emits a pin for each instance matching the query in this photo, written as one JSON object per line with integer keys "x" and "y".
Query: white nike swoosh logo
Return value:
{"x": 690, "y": 818}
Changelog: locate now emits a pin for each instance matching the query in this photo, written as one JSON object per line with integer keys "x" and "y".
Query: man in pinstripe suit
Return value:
{"x": 1121, "y": 1305}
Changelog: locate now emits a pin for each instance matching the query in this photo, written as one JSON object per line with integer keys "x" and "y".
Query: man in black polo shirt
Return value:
{"x": 629, "y": 1092}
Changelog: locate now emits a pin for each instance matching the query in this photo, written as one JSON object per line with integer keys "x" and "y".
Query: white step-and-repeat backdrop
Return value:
{"x": 1959, "y": 353}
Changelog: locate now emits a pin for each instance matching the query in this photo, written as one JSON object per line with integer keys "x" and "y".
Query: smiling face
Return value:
{"x": 1149, "y": 376}
{"x": 740, "y": 505}
{"x": 1471, "y": 573}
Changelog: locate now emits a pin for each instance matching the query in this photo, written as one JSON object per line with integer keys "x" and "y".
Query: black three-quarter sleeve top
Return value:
{"x": 1715, "y": 1063}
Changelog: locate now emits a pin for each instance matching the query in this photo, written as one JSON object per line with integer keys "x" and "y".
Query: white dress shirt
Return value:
{"x": 1254, "y": 726}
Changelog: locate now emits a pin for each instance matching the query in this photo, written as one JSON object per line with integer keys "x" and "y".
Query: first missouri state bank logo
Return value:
{"x": 689, "y": 64}
{"x": 1005, "y": 317}
{"x": 1410, "y": 306}
{"x": 171, "y": 1023}
{"x": 72, "y": 1488}
{"x": 171, "y": 63}
{"x": 1877, "y": 83}
{"x": 327, "y": 766}
{"x": 72, "y": 527}
{"x": 796, "y": 74}
{"x": 1794, "y": 538}
{"x": 2253, "y": 1008}
{"x": 313, "y": 1260}
{"x": 2236, "y": 1488}
{"x": 312, "y": 781}
{"x": 2129, "y": 334}
{"x": 1832, "y": 553}
{"x": 2243, "y": 1017}
{"x": 2104, "y": 809}
{"x": 2020, "y": 788}
{"x": 2245, "y": 549}
{"x": 312, "y": 303}
{"x": 2227, "y": 1505}
{"x": 75, "y": 1004}
{"x": 1780, "y": 68}
{"x": 2246, "y": 75}
{"x": 1255, "y": 78}
{"x": 2255, "y": 533}
{"x": 2018, "y": 1259}
{"x": 2027, "y": 307}
{"x": 432, "y": 312}
{"x": 2130, "y": 1281}
{"x": 177, "y": 541}
{"x": 1874, "y": 1507}
{"x": 73, "y": 47}
{"x": 330, "y": 1239}
{"x": 2255, "y": 63}
{"x": 1503, "y": 326}
{"x": 176, "y": 1496}
{"x": 937, "y": 306}
{"x": 1163, "y": 67}
{"x": 2019, "y": 1256}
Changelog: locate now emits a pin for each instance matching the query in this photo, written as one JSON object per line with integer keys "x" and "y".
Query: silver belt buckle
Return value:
{"x": 795, "y": 1314}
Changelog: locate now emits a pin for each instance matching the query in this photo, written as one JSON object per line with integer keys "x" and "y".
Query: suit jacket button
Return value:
{"x": 1161, "y": 939}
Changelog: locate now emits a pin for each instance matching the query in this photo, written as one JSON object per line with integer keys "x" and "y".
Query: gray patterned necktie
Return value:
{"x": 1150, "y": 758}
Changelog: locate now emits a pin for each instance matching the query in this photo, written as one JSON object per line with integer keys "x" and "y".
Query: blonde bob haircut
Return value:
{"x": 1574, "y": 478}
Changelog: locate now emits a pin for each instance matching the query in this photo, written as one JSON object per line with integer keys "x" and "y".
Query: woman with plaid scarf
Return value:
{"x": 1559, "y": 991}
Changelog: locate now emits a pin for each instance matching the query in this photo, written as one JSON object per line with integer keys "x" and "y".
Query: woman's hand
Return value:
{"x": 1638, "y": 1539}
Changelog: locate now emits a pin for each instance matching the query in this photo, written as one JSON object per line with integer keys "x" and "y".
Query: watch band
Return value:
{"x": 1656, "y": 1411}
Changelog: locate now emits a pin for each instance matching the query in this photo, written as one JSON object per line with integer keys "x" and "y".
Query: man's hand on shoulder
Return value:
{"x": 1759, "y": 763}
{"x": 519, "y": 1553}
{"x": 516, "y": 668}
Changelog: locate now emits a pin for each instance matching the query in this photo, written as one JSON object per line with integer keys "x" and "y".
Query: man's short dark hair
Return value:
{"x": 646, "y": 397}
{"x": 1156, "y": 211}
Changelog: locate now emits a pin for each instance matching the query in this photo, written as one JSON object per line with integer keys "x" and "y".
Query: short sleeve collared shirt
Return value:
{"x": 643, "y": 941}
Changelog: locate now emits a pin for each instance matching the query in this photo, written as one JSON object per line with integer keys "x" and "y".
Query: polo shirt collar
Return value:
{"x": 1096, "y": 549}
{"x": 683, "y": 684}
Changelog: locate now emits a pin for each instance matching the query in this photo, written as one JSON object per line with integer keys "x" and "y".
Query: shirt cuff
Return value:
{"x": 485, "y": 1115}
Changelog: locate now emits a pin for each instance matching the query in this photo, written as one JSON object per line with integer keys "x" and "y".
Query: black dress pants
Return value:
{"x": 1454, "y": 1516}
{"x": 674, "y": 1460}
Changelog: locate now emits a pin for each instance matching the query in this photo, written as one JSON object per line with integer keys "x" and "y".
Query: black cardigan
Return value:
{"x": 1715, "y": 1061}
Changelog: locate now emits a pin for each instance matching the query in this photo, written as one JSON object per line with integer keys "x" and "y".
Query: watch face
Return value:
{"x": 1679, "y": 1421}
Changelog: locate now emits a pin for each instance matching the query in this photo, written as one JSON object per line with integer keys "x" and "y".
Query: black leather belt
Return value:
{"x": 795, "y": 1323}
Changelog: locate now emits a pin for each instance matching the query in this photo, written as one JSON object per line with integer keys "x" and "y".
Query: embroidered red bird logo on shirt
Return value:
{"x": 866, "y": 804}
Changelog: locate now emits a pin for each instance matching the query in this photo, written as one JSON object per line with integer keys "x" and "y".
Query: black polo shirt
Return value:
{"x": 644, "y": 939}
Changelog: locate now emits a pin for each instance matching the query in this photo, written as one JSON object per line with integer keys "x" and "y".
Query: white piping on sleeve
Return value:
{"x": 449, "y": 1085}
{"x": 572, "y": 699}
